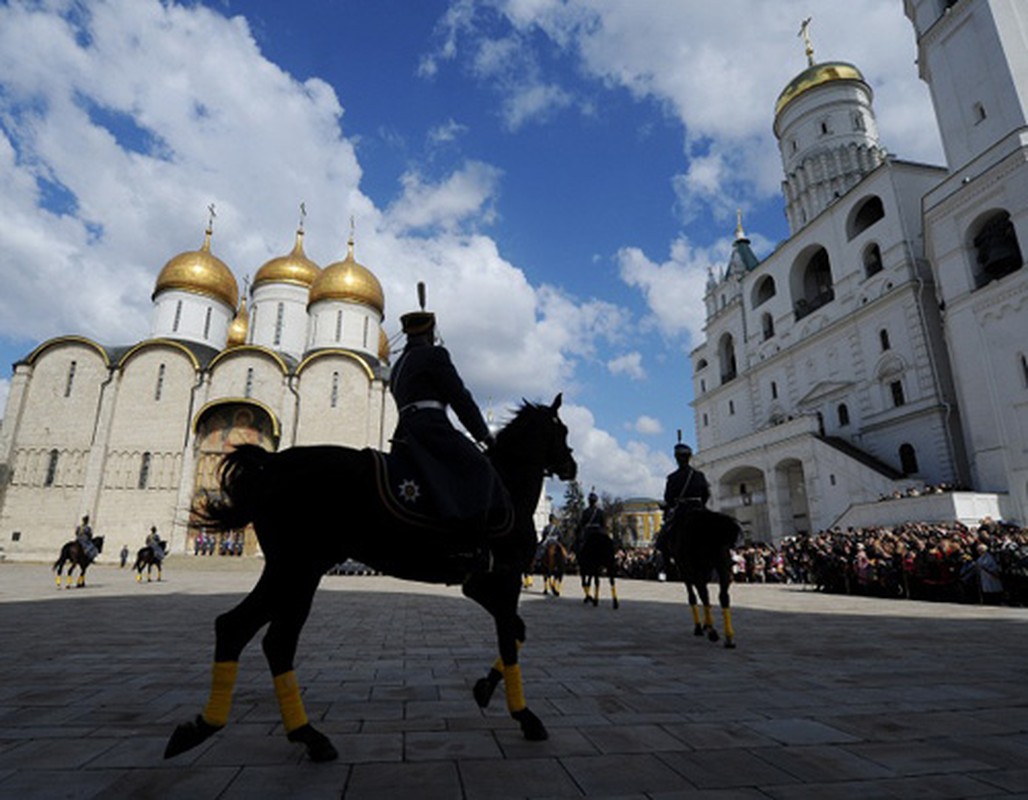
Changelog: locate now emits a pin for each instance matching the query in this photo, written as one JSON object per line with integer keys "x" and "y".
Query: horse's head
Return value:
{"x": 98, "y": 541}
{"x": 538, "y": 431}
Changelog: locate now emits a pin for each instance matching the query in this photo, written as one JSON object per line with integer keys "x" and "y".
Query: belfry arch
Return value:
{"x": 220, "y": 426}
{"x": 742, "y": 492}
{"x": 791, "y": 491}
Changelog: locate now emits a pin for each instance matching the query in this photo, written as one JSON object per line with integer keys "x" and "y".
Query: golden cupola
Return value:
{"x": 239, "y": 326}
{"x": 350, "y": 281}
{"x": 294, "y": 268}
{"x": 199, "y": 272}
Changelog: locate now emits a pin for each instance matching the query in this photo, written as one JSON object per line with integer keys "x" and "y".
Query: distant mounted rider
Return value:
{"x": 84, "y": 536}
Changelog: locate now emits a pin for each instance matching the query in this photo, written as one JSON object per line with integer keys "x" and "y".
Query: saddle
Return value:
{"x": 412, "y": 501}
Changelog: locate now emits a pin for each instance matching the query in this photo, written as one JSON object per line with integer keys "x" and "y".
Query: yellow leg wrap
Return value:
{"x": 219, "y": 703}
{"x": 614, "y": 592}
{"x": 515, "y": 691}
{"x": 726, "y": 613}
{"x": 708, "y": 617}
{"x": 287, "y": 690}
{"x": 58, "y": 581}
{"x": 695, "y": 614}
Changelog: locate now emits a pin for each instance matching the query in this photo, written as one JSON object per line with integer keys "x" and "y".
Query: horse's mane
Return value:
{"x": 513, "y": 430}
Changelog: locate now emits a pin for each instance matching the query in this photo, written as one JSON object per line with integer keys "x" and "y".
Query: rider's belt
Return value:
{"x": 421, "y": 405}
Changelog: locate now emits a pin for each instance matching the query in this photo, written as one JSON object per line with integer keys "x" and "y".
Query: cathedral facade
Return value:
{"x": 131, "y": 435}
{"x": 881, "y": 351}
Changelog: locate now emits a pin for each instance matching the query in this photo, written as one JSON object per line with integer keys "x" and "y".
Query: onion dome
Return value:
{"x": 348, "y": 280}
{"x": 200, "y": 272}
{"x": 817, "y": 75}
{"x": 294, "y": 268}
{"x": 239, "y": 326}
{"x": 383, "y": 345}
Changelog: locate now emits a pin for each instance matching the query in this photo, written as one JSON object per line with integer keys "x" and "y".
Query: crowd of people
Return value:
{"x": 924, "y": 561}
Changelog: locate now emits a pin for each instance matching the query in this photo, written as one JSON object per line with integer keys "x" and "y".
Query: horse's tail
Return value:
{"x": 239, "y": 478}
{"x": 60, "y": 559}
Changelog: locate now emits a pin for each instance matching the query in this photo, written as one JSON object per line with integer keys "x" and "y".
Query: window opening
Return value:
{"x": 144, "y": 470}
{"x": 279, "y": 316}
{"x": 249, "y": 382}
{"x": 70, "y": 379}
{"x": 51, "y": 468}
{"x": 908, "y": 459}
{"x": 896, "y": 389}
{"x": 159, "y": 388}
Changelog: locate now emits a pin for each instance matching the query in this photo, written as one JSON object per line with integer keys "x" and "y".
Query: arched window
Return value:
{"x": 872, "y": 260}
{"x": 767, "y": 325}
{"x": 997, "y": 251}
{"x": 144, "y": 471}
{"x": 207, "y": 324}
{"x": 896, "y": 392}
{"x": 248, "y": 392}
{"x": 844, "y": 415}
{"x": 280, "y": 313}
{"x": 1024, "y": 370}
{"x": 883, "y": 338}
{"x": 701, "y": 364}
{"x": 339, "y": 325}
{"x": 726, "y": 355}
{"x": 159, "y": 388}
{"x": 51, "y": 468}
{"x": 865, "y": 215}
{"x": 908, "y": 459}
{"x": 70, "y": 380}
{"x": 812, "y": 283}
{"x": 763, "y": 291}
{"x": 334, "y": 400}
{"x": 178, "y": 316}
{"x": 774, "y": 390}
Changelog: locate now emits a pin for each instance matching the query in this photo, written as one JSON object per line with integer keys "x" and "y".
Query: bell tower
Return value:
{"x": 973, "y": 55}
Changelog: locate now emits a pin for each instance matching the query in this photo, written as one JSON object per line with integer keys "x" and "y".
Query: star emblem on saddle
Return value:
{"x": 409, "y": 491}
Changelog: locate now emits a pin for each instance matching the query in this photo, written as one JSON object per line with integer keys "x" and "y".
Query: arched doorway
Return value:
{"x": 220, "y": 427}
{"x": 792, "y": 497}
{"x": 742, "y": 492}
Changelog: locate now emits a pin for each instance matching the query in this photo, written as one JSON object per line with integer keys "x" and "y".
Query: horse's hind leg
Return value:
{"x": 613, "y": 591}
{"x": 724, "y": 581}
{"x": 694, "y": 609}
{"x": 233, "y": 630}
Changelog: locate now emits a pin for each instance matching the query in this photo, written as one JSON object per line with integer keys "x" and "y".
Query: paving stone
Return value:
{"x": 808, "y": 706}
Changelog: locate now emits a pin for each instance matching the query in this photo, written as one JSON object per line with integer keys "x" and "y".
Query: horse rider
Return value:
{"x": 84, "y": 536}
{"x": 153, "y": 541}
{"x": 592, "y": 522}
{"x": 454, "y": 472}
{"x": 686, "y": 488}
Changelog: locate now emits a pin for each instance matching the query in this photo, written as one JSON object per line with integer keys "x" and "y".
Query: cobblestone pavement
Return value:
{"x": 825, "y": 697}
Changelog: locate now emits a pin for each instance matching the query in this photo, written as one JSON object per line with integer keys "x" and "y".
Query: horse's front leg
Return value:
{"x": 694, "y": 609}
{"x": 233, "y": 630}
{"x": 499, "y": 596}
{"x": 613, "y": 590}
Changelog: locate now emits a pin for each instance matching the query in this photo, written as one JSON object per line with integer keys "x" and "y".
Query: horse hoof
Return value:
{"x": 319, "y": 747}
{"x": 616, "y": 605}
{"x": 729, "y": 644}
{"x": 697, "y": 631}
{"x": 596, "y": 602}
{"x": 532, "y": 727}
{"x": 712, "y": 635}
{"x": 188, "y": 735}
{"x": 483, "y": 691}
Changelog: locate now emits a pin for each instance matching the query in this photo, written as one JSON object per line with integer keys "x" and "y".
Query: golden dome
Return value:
{"x": 383, "y": 345}
{"x": 294, "y": 268}
{"x": 200, "y": 272}
{"x": 816, "y": 75}
{"x": 237, "y": 330}
{"x": 348, "y": 280}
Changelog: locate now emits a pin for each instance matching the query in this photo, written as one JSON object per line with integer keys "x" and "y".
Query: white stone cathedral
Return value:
{"x": 129, "y": 435}
{"x": 882, "y": 349}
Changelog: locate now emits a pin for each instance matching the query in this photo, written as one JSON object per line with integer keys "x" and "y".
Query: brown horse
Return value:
{"x": 74, "y": 555}
{"x": 330, "y": 494}
{"x": 552, "y": 562}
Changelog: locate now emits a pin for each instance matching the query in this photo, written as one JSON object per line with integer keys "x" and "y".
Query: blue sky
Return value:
{"x": 561, "y": 174}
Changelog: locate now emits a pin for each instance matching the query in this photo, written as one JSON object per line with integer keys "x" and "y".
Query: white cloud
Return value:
{"x": 629, "y": 364}
{"x": 648, "y": 426}
{"x": 449, "y": 131}
{"x": 464, "y": 195}
{"x": 632, "y": 470}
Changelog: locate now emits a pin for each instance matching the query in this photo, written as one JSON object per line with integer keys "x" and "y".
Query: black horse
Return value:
{"x": 146, "y": 557}
{"x": 74, "y": 555}
{"x": 700, "y": 543}
{"x": 318, "y": 490}
{"x": 596, "y": 556}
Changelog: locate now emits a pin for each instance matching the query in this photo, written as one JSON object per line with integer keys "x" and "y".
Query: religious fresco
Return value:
{"x": 221, "y": 429}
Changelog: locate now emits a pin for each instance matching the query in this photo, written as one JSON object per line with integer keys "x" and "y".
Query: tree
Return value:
{"x": 571, "y": 512}
{"x": 613, "y": 508}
